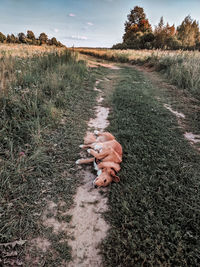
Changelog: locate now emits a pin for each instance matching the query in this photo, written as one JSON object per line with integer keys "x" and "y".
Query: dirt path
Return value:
{"x": 179, "y": 102}
{"x": 88, "y": 228}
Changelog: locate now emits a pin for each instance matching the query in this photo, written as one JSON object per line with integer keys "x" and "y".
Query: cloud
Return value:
{"x": 72, "y": 15}
{"x": 56, "y": 30}
{"x": 78, "y": 37}
{"x": 90, "y": 23}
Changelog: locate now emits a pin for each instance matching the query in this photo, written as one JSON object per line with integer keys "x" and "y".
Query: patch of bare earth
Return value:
{"x": 88, "y": 226}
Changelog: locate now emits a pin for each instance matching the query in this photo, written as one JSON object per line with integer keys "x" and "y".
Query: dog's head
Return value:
{"x": 105, "y": 177}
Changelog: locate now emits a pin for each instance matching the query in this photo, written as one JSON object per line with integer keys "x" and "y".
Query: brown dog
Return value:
{"x": 107, "y": 154}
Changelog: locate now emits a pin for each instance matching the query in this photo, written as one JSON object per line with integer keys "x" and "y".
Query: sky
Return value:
{"x": 88, "y": 23}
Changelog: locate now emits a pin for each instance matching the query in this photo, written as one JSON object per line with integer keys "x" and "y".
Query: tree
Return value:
{"x": 164, "y": 35}
{"x": 22, "y": 37}
{"x": 30, "y": 35}
{"x": 135, "y": 27}
{"x": 188, "y": 33}
{"x": 2, "y": 37}
{"x": 13, "y": 39}
{"x": 53, "y": 41}
{"x": 43, "y": 38}
{"x": 8, "y": 39}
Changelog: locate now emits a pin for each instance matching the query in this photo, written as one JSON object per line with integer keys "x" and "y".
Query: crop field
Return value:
{"x": 182, "y": 68}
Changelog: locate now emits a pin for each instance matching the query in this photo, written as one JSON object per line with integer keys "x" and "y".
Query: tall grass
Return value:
{"x": 181, "y": 68}
{"x": 42, "y": 121}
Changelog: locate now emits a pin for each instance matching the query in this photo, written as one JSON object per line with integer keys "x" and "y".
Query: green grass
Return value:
{"x": 43, "y": 116}
{"x": 181, "y": 68}
{"x": 154, "y": 210}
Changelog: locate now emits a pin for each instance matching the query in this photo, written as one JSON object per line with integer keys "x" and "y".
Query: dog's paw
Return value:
{"x": 78, "y": 161}
{"x": 81, "y": 146}
{"x": 89, "y": 150}
{"x": 96, "y": 132}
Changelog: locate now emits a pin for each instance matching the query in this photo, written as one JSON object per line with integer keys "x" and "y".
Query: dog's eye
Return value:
{"x": 104, "y": 180}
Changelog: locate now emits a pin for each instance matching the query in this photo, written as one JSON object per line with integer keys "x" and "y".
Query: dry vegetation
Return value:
{"x": 23, "y": 50}
{"x": 42, "y": 109}
{"x": 181, "y": 67}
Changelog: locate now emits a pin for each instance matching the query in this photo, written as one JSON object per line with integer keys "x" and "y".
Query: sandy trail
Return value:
{"x": 87, "y": 226}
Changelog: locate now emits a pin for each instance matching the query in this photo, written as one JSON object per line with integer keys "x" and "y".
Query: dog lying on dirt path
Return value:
{"x": 107, "y": 156}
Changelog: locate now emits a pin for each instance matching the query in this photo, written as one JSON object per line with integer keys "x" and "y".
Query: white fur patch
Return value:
{"x": 96, "y": 166}
{"x": 96, "y": 132}
{"x": 97, "y": 147}
{"x": 77, "y": 162}
{"x": 99, "y": 172}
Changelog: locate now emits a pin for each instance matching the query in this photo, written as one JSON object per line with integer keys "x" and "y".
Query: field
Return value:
{"x": 182, "y": 68}
{"x": 47, "y": 97}
{"x": 154, "y": 210}
{"x": 43, "y": 108}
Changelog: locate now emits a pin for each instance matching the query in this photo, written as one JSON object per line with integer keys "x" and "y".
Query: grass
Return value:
{"x": 180, "y": 67}
{"x": 154, "y": 210}
{"x": 43, "y": 116}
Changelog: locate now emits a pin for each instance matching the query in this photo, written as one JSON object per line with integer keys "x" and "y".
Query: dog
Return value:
{"x": 107, "y": 156}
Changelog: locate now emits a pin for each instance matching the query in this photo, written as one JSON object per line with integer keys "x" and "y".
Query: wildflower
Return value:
{"x": 21, "y": 154}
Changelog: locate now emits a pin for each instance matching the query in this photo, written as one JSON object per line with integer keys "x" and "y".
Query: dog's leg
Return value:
{"x": 100, "y": 155}
{"x": 84, "y": 146}
{"x": 85, "y": 161}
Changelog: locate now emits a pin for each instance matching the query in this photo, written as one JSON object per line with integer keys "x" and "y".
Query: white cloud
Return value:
{"x": 78, "y": 37}
{"x": 72, "y": 15}
{"x": 55, "y": 30}
{"x": 90, "y": 23}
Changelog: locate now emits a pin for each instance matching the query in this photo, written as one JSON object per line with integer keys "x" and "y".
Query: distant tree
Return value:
{"x": 22, "y": 37}
{"x": 43, "y": 38}
{"x": 8, "y": 39}
{"x": 165, "y": 36}
{"x": 30, "y": 35}
{"x": 146, "y": 41}
{"x": 119, "y": 46}
{"x": 188, "y": 33}
{"x": 53, "y": 41}
{"x": 135, "y": 27}
{"x": 13, "y": 39}
{"x": 2, "y": 37}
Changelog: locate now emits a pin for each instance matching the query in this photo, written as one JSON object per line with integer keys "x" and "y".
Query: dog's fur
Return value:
{"x": 107, "y": 155}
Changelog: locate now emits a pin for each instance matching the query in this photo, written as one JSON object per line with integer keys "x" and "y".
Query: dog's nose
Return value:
{"x": 95, "y": 186}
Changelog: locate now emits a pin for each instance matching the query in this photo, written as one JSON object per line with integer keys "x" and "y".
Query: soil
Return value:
{"x": 88, "y": 227}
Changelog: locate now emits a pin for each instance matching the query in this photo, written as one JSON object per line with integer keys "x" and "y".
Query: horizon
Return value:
{"x": 90, "y": 23}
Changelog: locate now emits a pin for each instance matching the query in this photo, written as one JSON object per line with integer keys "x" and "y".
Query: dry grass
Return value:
{"x": 42, "y": 122}
{"x": 182, "y": 68}
{"x": 23, "y": 50}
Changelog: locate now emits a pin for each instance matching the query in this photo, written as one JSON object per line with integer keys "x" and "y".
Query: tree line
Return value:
{"x": 139, "y": 34}
{"x": 29, "y": 39}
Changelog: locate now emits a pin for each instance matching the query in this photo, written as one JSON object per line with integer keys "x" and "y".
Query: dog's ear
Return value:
{"x": 114, "y": 176}
{"x": 116, "y": 179}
